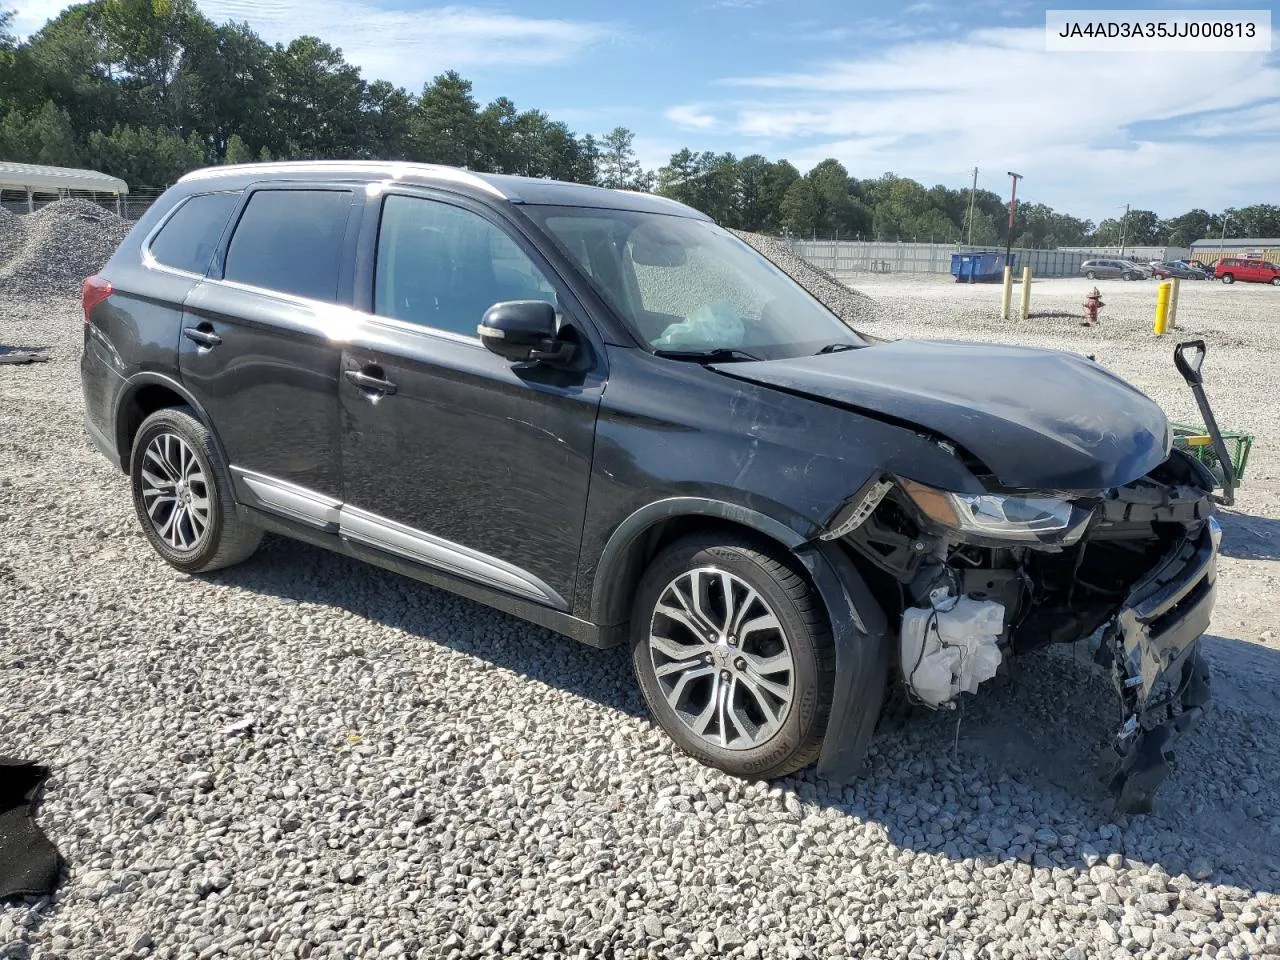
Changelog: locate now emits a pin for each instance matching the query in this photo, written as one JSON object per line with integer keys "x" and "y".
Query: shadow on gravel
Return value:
{"x": 1013, "y": 775}
{"x": 1249, "y": 537}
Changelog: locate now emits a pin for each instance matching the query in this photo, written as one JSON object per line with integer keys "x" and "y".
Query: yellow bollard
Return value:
{"x": 1173, "y": 303}
{"x": 1026, "y": 291}
{"x": 1162, "y": 308}
{"x": 1008, "y": 292}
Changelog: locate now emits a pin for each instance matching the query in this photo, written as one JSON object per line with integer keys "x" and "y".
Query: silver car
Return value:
{"x": 1111, "y": 270}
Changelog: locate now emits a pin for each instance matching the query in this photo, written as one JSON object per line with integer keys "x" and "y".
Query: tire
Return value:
{"x": 174, "y": 451}
{"x": 1228, "y": 278}
{"x": 1091, "y": 275}
{"x": 1275, "y": 281}
{"x": 760, "y": 734}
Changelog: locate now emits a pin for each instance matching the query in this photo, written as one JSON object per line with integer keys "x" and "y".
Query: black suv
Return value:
{"x": 602, "y": 413}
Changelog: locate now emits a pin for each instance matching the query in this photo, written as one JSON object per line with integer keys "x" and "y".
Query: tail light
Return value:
{"x": 95, "y": 290}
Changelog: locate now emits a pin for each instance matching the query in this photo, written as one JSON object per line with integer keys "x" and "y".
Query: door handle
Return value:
{"x": 203, "y": 335}
{"x": 367, "y": 381}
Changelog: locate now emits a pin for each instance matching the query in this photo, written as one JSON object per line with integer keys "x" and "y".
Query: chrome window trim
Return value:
{"x": 149, "y": 260}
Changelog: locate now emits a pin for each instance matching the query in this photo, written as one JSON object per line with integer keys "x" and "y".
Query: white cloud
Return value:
{"x": 409, "y": 46}
{"x": 406, "y": 46}
{"x": 691, "y": 117}
{"x": 1085, "y": 129}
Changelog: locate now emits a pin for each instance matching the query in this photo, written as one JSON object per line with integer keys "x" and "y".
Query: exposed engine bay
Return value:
{"x": 983, "y": 578}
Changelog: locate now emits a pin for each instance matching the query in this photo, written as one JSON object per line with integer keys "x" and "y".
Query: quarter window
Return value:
{"x": 291, "y": 241}
{"x": 442, "y": 267}
{"x": 189, "y": 238}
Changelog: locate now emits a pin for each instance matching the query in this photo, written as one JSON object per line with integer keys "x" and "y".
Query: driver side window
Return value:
{"x": 442, "y": 267}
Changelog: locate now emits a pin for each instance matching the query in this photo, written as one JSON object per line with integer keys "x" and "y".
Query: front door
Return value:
{"x": 451, "y": 456}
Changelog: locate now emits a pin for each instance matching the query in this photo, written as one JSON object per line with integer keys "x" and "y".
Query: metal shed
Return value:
{"x": 37, "y": 178}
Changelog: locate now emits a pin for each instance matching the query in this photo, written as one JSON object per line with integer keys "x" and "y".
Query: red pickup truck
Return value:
{"x": 1231, "y": 269}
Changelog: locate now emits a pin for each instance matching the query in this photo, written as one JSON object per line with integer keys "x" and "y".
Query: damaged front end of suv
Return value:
{"x": 987, "y": 576}
{"x": 1067, "y": 516}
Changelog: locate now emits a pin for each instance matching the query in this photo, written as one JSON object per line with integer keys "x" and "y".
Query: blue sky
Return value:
{"x": 923, "y": 88}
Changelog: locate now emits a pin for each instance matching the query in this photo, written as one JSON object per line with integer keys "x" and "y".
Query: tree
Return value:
{"x": 386, "y": 122}
{"x": 237, "y": 152}
{"x": 45, "y": 136}
{"x": 446, "y": 125}
{"x": 225, "y": 79}
{"x": 761, "y": 187}
{"x": 147, "y": 40}
{"x": 315, "y": 101}
{"x": 618, "y": 168}
{"x": 145, "y": 157}
{"x": 800, "y": 208}
{"x": 1194, "y": 225}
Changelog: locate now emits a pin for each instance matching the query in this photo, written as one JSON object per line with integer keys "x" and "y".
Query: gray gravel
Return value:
{"x": 49, "y": 253}
{"x": 305, "y": 756}
{"x": 849, "y": 304}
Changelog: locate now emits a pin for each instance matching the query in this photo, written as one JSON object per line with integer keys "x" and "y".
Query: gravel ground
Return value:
{"x": 49, "y": 253}
{"x": 304, "y": 756}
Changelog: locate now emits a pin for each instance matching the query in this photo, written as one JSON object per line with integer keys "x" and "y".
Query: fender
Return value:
{"x": 863, "y": 644}
{"x": 149, "y": 378}
{"x": 613, "y": 557}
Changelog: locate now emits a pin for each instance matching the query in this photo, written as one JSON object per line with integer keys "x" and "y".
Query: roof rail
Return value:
{"x": 393, "y": 169}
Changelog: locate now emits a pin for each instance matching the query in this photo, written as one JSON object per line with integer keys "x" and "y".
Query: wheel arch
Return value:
{"x": 143, "y": 395}
{"x": 859, "y": 626}
{"x": 640, "y": 536}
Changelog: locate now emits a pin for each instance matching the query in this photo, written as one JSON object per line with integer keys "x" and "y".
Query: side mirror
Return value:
{"x": 523, "y": 331}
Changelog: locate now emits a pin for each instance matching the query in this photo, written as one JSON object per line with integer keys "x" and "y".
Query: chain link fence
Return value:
{"x": 843, "y": 259}
{"x": 131, "y": 206}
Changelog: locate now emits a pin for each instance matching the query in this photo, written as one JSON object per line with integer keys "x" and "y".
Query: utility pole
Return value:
{"x": 973, "y": 191}
{"x": 1013, "y": 209}
{"x": 1124, "y": 222}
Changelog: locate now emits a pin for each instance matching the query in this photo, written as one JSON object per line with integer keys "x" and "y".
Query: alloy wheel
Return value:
{"x": 175, "y": 492}
{"x": 722, "y": 659}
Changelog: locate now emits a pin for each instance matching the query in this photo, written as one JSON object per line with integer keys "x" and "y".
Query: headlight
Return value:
{"x": 1001, "y": 516}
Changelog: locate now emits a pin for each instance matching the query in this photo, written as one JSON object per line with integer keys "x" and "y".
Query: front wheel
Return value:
{"x": 1091, "y": 275}
{"x": 1228, "y": 278}
{"x": 734, "y": 656}
{"x": 1275, "y": 281}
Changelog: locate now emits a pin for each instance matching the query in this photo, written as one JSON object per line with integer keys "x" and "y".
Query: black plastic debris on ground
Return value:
{"x": 29, "y": 862}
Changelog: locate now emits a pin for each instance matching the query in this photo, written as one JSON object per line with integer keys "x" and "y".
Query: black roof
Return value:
{"x": 513, "y": 189}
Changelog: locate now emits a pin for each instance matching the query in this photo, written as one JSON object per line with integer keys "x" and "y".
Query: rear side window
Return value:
{"x": 189, "y": 238}
{"x": 291, "y": 241}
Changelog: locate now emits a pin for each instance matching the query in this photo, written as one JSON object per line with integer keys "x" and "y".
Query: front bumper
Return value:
{"x": 1152, "y": 646}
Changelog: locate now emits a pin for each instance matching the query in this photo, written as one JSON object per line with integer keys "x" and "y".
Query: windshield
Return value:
{"x": 687, "y": 286}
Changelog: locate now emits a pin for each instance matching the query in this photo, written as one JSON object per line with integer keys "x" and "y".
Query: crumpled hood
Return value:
{"x": 1040, "y": 419}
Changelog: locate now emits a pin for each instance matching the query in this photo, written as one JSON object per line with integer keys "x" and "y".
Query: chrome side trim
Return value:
{"x": 292, "y": 500}
{"x": 375, "y": 531}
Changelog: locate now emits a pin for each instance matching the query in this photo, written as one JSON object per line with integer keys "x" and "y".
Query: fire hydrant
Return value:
{"x": 1092, "y": 304}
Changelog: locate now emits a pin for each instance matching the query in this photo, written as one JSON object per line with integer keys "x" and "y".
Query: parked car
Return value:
{"x": 1198, "y": 270}
{"x": 600, "y": 412}
{"x": 1143, "y": 268}
{"x": 1231, "y": 269}
{"x": 1110, "y": 270}
{"x": 1174, "y": 268}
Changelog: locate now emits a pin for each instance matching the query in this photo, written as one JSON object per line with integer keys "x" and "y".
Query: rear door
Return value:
{"x": 452, "y": 457}
{"x": 257, "y": 348}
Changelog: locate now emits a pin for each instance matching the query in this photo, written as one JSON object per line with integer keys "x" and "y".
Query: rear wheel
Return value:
{"x": 182, "y": 495}
{"x": 1228, "y": 278}
{"x": 734, "y": 656}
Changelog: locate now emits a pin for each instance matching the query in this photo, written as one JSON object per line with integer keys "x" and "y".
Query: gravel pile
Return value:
{"x": 49, "y": 253}
{"x": 852, "y": 306}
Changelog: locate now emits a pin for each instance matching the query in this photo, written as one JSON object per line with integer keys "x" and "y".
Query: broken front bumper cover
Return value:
{"x": 1152, "y": 646}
